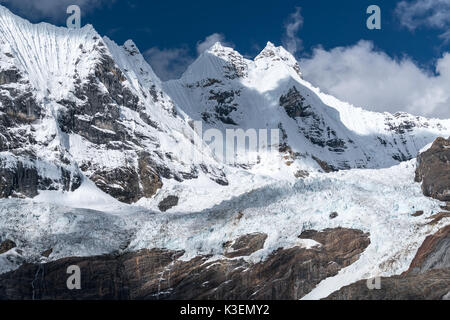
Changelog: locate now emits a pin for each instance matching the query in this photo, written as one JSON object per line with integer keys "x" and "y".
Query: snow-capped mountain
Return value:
{"x": 99, "y": 156}
{"x": 75, "y": 105}
{"x": 226, "y": 91}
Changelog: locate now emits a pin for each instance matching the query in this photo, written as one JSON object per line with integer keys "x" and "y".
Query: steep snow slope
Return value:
{"x": 74, "y": 105}
{"x": 227, "y": 91}
{"x": 49, "y": 57}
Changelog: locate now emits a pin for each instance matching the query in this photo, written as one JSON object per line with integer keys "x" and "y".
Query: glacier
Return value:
{"x": 371, "y": 156}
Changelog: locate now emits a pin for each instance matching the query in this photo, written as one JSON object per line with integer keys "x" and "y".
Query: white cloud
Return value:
{"x": 445, "y": 36}
{"x": 55, "y": 10}
{"x": 373, "y": 80}
{"x": 169, "y": 63}
{"x": 210, "y": 40}
{"x": 291, "y": 41}
{"x": 433, "y": 14}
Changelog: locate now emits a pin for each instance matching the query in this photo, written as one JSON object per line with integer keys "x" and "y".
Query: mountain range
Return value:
{"x": 100, "y": 158}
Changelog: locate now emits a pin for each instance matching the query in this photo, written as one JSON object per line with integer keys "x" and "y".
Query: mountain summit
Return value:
{"x": 77, "y": 106}
{"x": 101, "y": 160}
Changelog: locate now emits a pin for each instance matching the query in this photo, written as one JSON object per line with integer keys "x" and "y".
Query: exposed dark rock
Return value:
{"x": 246, "y": 245}
{"x": 327, "y": 168}
{"x": 301, "y": 174}
{"x": 150, "y": 179}
{"x": 25, "y": 180}
{"x": 404, "y": 127}
{"x": 19, "y": 106}
{"x": 334, "y": 215}
{"x": 159, "y": 274}
{"x": 218, "y": 176}
{"x": 168, "y": 203}
{"x": 433, "y": 170}
{"x": 7, "y": 245}
{"x": 446, "y": 207}
{"x": 9, "y": 76}
{"x": 19, "y": 176}
{"x": 338, "y": 241}
{"x": 128, "y": 185}
{"x": 432, "y": 285}
{"x": 294, "y": 104}
{"x": 311, "y": 124}
{"x": 433, "y": 254}
{"x": 235, "y": 66}
{"x": 436, "y": 218}
{"x": 47, "y": 253}
{"x": 225, "y": 106}
{"x": 18, "y": 180}
{"x": 418, "y": 213}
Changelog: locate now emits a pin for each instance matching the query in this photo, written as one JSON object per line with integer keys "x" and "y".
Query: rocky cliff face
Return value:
{"x": 433, "y": 170}
{"x": 160, "y": 274}
{"x": 76, "y": 106}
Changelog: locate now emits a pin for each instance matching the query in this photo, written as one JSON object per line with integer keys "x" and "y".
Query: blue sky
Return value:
{"x": 335, "y": 49}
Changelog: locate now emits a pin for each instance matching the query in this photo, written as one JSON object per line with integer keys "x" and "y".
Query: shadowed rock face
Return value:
{"x": 168, "y": 203}
{"x": 431, "y": 285}
{"x": 159, "y": 274}
{"x": 433, "y": 170}
{"x": 245, "y": 245}
{"x": 433, "y": 254}
{"x": 311, "y": 124}
{"x": 6, "y": 245}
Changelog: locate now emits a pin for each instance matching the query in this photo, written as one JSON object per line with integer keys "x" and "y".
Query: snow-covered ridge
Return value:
{"x": 93, "y": 104}
{"x": 90, "y": 121}
{"x": 227, "y": 91}
{"x": 100, "y": 107}
{"x": 46, "y": 54}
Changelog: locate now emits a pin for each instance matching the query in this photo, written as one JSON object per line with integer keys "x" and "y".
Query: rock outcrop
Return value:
{"x": 6, "y": 245}
{"x": 160, "y": 274}
{"x": 433, "y": 170}
{"x": 245, "y": 245}
{"x": 168, "y": 203}
{"x": 433, "y": 254}
{"x": 97, "y": 111}
{"x": 431, "y": 285}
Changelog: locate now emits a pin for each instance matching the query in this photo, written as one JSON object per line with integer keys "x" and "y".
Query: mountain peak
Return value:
{"x": 271, "y": 51}
{"x": 218, "y": 49}
{"x": 131, "y": 47}
{"x": 274, "y": 54}
{"x": 216, "y": 46}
